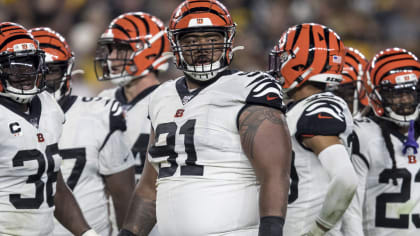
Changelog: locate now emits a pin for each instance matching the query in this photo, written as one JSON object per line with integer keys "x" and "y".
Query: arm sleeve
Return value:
{"x": 353, "y": 218}
{"x": 342, "y": 186}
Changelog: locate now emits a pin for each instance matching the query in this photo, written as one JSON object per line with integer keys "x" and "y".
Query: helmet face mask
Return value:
{"x": 132, "y": 47}
{"x": 202, "y": 51}
{"x": 391, "y": 82}
{"x": 114, "y": 61}
{"x": 58, "y": 58}
{"x": 58, "y": 73}
{"x": 275, "y": 62}
{"x": 22, "y": 64}
{"x": 211, "y": 23}
{"x": 399, "y": 101}
{"x": 22, "y": 73}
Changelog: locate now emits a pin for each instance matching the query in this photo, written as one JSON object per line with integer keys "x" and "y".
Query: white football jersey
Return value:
{"x": 320, "y": 114}
{"x": 29, "y": 163}
{"x": 206, "y": 184}
{"x": 92, "y": 145}
{"x": 388, "y": 200}
{"x": 138, "y": 126}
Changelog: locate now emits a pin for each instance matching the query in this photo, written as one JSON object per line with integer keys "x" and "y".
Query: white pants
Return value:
{"x": 194, "y": 207}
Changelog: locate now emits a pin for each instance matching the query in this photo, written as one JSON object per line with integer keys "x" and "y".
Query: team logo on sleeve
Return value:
{"x": 322, "y": 117}
{"x": 266, "y": 91}
{"x": 325, "y": 110}
{"x": 267, "y": 88}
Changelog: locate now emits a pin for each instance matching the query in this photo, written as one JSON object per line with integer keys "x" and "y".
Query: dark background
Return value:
{"x": 368, "y": 25}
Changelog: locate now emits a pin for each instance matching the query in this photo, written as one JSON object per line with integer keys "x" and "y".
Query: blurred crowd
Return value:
{"x": 369, "y": 25}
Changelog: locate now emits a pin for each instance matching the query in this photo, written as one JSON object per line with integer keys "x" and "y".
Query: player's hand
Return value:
{"x": 90, "y": 232}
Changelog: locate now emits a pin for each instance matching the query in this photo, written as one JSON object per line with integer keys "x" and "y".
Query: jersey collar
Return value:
{"x": 66, "y": 102}
{"x": 34, "y": 109}
{"x": 120, "y": 96}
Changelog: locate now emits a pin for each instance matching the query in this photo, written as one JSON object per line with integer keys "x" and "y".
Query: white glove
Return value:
{"x": 315, "y": 231}
{"x": 90, "y": 232}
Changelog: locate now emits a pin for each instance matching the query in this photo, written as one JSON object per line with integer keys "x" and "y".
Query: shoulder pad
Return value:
{"x": 264, "y": 90}
{"x": 323, "y": 116}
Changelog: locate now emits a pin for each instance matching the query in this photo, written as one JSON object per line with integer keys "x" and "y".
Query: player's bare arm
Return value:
{"x": 121, "y": 193}
{"x": 141, "y": 216}
{"x": 67, "y": 210}
{"x": 266, "y": 141}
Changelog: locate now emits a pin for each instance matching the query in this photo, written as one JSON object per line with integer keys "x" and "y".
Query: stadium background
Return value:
{"x": 369, "y": 25}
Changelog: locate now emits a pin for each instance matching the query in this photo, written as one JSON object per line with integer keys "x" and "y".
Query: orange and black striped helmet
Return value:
{"x": 133, "y": 46}
{"x": 193, "y": 16}
{"x": 351, "y": 88}
{"x": 59, "y": 59}
{"x": 22, "y": 66}
{"x": 392, "y": 75}
{"x": 307, "y": 52}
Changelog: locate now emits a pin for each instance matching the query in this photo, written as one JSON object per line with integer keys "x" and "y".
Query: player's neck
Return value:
{"x": 403, "y": 130}
{"x": 304, "y": 92}
{"x": 23, "y": 107}
{"x": 137, "y": 86}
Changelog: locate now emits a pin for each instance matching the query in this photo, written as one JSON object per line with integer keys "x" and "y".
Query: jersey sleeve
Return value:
{"x": 324, "y": 117}
{"x": 115, "y": 156}
{"x": 353, "y": 217}
{"x": 264, "y": 90}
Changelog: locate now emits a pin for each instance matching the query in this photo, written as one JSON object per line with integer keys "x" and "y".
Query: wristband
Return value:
{"x": 126, "y": 232}
{"x": 271, "y": 226}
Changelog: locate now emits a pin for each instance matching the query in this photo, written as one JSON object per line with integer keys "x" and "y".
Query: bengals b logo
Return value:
{"x": 179, "y": 113}
{"x": 40, "y": 137}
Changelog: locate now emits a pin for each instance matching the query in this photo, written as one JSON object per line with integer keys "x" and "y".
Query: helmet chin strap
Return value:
{"x": 17, "y": 96}
{"x": 401, "y": 121}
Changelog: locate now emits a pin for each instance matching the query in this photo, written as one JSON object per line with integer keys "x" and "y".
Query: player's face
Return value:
{"x": 202, "y": 48}
{"x": 54, "y": 76}
{"x": 402, "y": 101}
{"x": 119, "y": 57}
{"x": 22, "y": 72}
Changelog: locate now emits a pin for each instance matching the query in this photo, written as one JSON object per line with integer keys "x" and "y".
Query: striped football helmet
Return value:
{"x": 22, "y": 66}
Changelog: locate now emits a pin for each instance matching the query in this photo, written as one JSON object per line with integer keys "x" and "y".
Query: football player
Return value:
{"x": 130, "y": 54}
{"x": 32, "y": 189}
{"x": 219, "y": 156}
{"x": 95, "y": 155}
{"x": 351, "y": 88}
{"x": 323, "y": 182}
{"x": 385, "y": 149}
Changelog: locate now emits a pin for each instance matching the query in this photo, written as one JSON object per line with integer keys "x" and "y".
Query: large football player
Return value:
{"x": 130, "y": 54}
{"x": 95, "y": 155}
{"x": 32, "y": 189}
{"x": 385, "y": 149}
{"x": 323, "y": 182}
{"x": 219, "y": 155}
{"x": 351, "y": 88}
